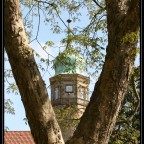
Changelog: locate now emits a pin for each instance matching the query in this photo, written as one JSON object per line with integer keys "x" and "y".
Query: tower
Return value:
{"x": 69, "y": 85}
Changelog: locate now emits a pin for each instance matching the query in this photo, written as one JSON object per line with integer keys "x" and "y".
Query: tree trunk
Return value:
{"x": 40, "y": 114}
{"x": 100, "y": 116}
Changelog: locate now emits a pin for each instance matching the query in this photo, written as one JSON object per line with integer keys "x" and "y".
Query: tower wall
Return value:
{"x": 77, "y": 82}
{"x": 69, "y": 118}
{"x": 69, "y": 106}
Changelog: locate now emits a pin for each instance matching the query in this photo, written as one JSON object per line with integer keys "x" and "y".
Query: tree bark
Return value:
{"x": 100, "y": 115}
{"x": 40, "y": 114}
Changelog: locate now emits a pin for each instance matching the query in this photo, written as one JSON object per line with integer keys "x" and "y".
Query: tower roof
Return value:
{"x": 70, "y": 61}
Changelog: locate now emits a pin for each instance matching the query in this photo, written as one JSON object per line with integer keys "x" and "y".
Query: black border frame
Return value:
{"x": 2, "y": 74}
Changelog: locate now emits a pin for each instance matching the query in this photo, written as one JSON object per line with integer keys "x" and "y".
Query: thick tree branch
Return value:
{"x": 134, "y": 88}
{"x": 110, "y": 89}
{"x": 39, "y": 111}
{"x": 124, "y": 12}
{"x": 136, "y": 106}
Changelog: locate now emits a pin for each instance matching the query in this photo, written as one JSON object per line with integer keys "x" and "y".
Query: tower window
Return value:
{"x": 56, "y": 93}
{"x": 82, "y": 93}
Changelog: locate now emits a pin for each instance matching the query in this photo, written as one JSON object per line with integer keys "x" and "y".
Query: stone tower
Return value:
{"x": 69, "y": 86}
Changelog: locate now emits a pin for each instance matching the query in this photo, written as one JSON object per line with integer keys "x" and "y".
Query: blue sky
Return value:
{"x": 16, "y": 122}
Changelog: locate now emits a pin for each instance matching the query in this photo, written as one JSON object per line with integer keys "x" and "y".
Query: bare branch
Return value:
{"x": 8, "y": 81}
{"x": 137, "y": 97}
{"x": 98, "y": 4}
{"x": 29, "y": 11}
{"x": 44, "y": 49}
{"x": 38, "y": 26}
{"x": 55, "y": 7}
{"x": 38, "y": 22}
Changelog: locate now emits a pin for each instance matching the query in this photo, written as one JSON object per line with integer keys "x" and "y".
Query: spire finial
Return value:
{"x": 69, "y": 21}
{"x": 69, "y": 30}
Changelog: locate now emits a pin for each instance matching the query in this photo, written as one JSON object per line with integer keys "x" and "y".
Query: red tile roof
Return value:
{"x": 18, "y": 137}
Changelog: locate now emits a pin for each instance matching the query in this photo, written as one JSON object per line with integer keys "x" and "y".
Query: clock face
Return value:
{"x": 69, "y": 88}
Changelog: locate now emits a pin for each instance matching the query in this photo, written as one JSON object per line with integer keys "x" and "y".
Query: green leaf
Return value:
{"x": 50, "y": 43}
{"x": 37, "y": 54}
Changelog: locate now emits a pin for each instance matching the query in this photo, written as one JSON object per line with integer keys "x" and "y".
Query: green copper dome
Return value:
{"x": 69, "y": 62}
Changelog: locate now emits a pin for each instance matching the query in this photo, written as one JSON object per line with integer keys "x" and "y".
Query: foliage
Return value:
{"x": 66, "y": 115}
{"x": 131, "y": 37}
{"x": 10, "y": 88}
{"x": 8, "y": 107}
{"x": 88, "y": 40}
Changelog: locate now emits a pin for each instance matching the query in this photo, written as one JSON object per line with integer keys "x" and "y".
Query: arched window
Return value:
{"x": 82, "y": 92}
{"x": 56, "y": 93}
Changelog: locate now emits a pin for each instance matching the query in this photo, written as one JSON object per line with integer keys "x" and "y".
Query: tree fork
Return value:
{"x": 100, "y": 116}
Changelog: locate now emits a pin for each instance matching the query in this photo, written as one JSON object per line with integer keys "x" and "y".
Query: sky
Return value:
{"x": 16, "y": 122}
